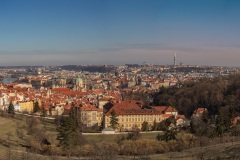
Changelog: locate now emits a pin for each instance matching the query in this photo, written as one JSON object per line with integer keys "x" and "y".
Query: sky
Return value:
{"x": 80, "y": 32}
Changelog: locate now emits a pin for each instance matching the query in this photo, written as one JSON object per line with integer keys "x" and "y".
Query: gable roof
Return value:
{"x": 131, "y": 108}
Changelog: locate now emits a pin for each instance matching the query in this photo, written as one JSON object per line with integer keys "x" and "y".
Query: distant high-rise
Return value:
{"x": 175, "y": 56}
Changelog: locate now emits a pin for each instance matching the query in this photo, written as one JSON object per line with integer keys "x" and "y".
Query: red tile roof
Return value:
{"x": 161, "y": 109}
{"x": 171, "y": 109}
{"x": 131, "y": 108}
{"x": 60, "y": 89}
{"x": 167, "y": 115}
{"x": 180, "y": 116}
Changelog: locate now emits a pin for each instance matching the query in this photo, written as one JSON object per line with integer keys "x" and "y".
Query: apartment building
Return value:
{"x": 91, "y": 115}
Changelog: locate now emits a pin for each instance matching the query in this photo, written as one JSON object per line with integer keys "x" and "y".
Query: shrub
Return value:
{"x": 186, "y": 140}
{"x": 87, "y": 150}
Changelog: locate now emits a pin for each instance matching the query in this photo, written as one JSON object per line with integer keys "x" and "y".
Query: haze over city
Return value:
{"x": 60, "y": 32}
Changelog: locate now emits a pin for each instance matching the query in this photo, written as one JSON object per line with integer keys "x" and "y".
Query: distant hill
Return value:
{"x": 101, "y": 68}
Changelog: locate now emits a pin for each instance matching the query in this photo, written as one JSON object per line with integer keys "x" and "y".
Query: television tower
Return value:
{"x": 175, "y": 56}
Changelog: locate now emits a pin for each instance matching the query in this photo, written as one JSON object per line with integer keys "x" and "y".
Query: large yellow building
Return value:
{"x": 130, "y": 114}
{"x": 26, "y": 106}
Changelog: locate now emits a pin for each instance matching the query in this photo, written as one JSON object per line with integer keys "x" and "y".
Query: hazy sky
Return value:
{"x": 60, "y": 32}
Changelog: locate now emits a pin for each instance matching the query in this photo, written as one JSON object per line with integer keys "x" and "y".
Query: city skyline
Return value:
{"x": 60, "y": 32}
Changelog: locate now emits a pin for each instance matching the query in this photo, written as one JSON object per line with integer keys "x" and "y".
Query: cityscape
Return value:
{"x": 119, "y": 79}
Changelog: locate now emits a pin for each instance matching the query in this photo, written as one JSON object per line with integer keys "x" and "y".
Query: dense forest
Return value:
{"x": 222, "y": 93}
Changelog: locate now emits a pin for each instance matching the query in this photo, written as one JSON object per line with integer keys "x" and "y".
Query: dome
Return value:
{"x": 79, "y": 80}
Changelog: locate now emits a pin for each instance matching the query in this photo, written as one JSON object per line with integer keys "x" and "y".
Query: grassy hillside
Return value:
{"x": 9, "y": 125}
{"x": 221, "y": 151}
{"x": 10, "y": 146}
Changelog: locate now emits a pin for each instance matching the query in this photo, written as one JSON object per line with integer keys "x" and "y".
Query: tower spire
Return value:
{"x": 175, "y": 56}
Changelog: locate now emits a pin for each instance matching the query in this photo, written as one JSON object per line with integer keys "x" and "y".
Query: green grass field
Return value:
{"x": 113, "y": 137}
{"x": 7, "y": 125}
